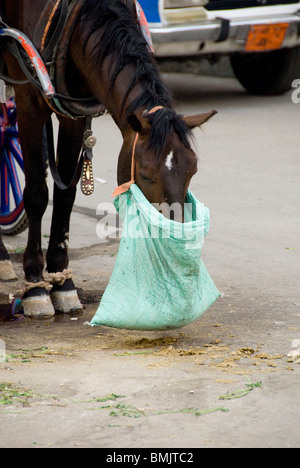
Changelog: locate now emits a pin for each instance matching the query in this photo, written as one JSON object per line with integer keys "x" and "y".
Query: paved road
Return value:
{"x": 249, "y": 176}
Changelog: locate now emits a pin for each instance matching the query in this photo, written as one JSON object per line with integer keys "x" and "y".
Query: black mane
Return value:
{"x": 122, "y": 38}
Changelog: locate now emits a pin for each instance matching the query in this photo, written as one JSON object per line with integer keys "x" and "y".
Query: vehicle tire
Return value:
{"x": 17, "y": 227}
{"x": 267, "y": 73}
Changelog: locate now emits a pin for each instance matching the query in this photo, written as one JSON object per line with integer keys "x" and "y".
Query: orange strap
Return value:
{"x": 55, "y": 8}
{"x": 125, "y": 187}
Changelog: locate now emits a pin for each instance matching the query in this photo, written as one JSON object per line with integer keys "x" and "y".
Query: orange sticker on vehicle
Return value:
{"x": 264, "y": 37}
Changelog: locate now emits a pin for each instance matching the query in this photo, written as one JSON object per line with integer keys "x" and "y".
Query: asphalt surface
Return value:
{"x": 249, "y": 177}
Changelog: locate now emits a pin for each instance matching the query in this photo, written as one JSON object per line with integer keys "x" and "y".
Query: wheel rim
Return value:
{"x": 11, "y": 171}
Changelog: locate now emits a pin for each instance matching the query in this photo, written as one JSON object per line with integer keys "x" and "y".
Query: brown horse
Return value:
{"x": 104, "y": 56}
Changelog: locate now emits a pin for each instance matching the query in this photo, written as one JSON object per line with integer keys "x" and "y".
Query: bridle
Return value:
{"x": 126, "y": 186}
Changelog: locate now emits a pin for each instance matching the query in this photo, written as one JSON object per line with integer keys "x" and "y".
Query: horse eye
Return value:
{"x": 147, "y": 179}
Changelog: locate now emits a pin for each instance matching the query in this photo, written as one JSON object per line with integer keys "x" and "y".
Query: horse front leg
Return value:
{"x": 64, "y": 294}
{"x": 36, "y": 300}
{"x": 6, "y": 269}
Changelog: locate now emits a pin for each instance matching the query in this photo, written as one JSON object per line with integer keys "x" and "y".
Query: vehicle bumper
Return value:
{"x": 201, "y": 38}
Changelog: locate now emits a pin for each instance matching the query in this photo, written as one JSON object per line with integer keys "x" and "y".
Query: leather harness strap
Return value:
{"x": 48, "y": 50}
{"x": 52, "y": 37}
{"x": 84, "y": 166}
{"x": 52, "y": 162}
{"x": 52, "y": 41}
{"x": 80, "y": 107}
{"x": 53, "y": 34}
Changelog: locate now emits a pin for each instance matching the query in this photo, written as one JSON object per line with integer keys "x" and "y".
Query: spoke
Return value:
{"x": 15, "y": 149}
{"x": 11, "y": 132}
{"x": 11, "y": 172}
{"x": 1, "y": 136}
{"x": 4, "y": 206}
{"x": 14, "y": 178}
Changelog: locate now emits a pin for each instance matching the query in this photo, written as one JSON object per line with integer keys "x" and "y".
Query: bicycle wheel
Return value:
{"x": 13, "y": 218}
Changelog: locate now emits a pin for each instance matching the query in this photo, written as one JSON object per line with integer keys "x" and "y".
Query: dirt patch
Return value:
{"x": 144, "y": 343}
{"x": 66, "y": 337}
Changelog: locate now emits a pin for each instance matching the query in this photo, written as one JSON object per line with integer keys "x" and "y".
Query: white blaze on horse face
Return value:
{"x": 169, "y": 163}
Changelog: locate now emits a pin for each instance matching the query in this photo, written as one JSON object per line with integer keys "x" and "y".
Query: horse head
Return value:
{"x": 164, "y": 159}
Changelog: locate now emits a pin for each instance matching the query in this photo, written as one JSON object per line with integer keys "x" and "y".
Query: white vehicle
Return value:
{"x": 261, "y": 37}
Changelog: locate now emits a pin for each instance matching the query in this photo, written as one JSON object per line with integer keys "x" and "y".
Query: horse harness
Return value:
{"x": 52, "y": 37}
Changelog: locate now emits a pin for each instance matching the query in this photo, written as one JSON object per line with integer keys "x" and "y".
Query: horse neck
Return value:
{"x": 110, "y": 87}
{"x": 99, "y": 83}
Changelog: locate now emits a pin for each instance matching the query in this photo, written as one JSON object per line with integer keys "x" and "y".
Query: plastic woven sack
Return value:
{"x": 159, "y": 281}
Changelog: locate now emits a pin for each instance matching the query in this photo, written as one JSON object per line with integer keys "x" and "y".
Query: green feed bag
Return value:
{"x": 159, "y": 280}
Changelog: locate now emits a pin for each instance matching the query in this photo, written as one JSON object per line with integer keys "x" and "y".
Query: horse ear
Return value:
{"x": 194, "y": 121}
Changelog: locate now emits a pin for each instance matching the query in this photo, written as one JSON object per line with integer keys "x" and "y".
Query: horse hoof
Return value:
{"x": 38, "y": 306}
{"x": 66, "y": 301}
{"x": 6, "y": 271}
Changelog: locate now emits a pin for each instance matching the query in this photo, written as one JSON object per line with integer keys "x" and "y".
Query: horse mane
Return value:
{"x": 122, "y": 39}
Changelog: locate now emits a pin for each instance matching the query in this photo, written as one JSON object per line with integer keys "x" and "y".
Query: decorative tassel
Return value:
{"x": 87, "y": 177}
